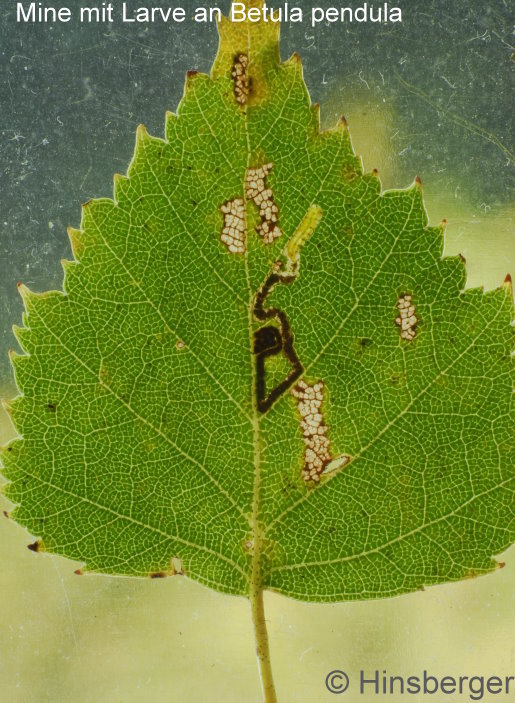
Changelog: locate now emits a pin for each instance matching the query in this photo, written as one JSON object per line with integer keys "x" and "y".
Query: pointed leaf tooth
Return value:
{"x": 18, "y": 333}
{"x": 416, "y": 188}
{"x": 14, "y": 355}
{"x": 170, "y": 119}
{"x": 26, "y": 294}
{"x": 76, "y": 242}
{"x": 67, "y": 267}
{"x": 85, "y": 214}
{"x": 375, "y": 174}
{"x": 170, "y": 126}
{"x": 93, "y": 213}
{"x": 5, "y": 455}
{"x": 8, "y": 405}
{"x": 315, "y": 111}
{"x": 142, "y": 140}
{"x": 507, "y": 283}
{"x": 36, "y": 546}
{"x": 119, "y": 185}
{"x": 22, "y": 335}
{"x": 18, "y": 362}
{"x": 142, "y": 134}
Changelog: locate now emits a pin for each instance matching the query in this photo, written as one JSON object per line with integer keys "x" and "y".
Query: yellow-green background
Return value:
{"x": 96, "y": 639}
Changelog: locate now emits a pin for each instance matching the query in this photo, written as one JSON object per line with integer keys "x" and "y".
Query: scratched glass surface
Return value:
{"x": 428, "y": 97}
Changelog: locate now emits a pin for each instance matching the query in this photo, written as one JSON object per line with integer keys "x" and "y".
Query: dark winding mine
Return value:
{"x": 271, "y": 340}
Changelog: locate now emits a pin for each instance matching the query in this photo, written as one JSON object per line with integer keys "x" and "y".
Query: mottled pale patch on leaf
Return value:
{"x": 144, "y": 450}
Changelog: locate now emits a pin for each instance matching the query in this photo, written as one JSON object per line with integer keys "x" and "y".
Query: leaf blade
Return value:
{"x": 143, "y": 372}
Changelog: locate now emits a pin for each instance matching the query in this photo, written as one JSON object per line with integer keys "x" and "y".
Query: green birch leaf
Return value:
{"x": 274, "y": 384}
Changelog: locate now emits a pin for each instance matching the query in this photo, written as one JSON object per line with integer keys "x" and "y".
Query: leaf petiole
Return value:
{"x": 262, "y": 645}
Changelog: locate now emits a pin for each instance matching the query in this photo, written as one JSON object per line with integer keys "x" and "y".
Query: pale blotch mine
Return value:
{"x": 256, "y": 190}
{"x": 234, "y": 234}
{"x": 407, "y": 319}
{"x": 309, "y": 403}
{"x": 240, "y": 78}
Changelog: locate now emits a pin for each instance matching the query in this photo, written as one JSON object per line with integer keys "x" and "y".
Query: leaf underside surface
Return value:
{"x": 142, "y": 449}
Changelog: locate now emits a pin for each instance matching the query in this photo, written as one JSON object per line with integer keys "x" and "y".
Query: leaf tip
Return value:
{"x": 418, "y": 181}
{"x": 500, "y": 564}
{"x": 79, "y": 572}
{"x": 507, "y": 281}
{"x": 342, "y": 122}
{"x": 462, "y": 258}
